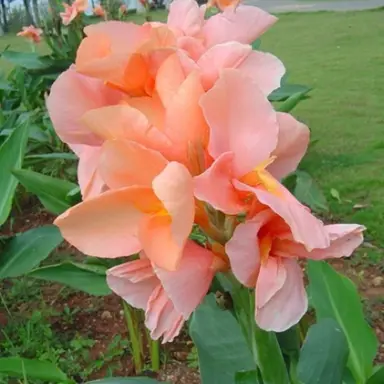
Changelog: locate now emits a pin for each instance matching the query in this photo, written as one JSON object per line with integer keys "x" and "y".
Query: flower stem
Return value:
{"x": 134, "y": 335}
{"x": 154, "y": 346}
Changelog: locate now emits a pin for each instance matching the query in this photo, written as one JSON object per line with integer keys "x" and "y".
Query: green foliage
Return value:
{"x": 33, "y": 369}
{"x": 11, "y": 157}
{"x": 221, "y": 346}
{"x": 52, "y": 192}
{"x": 246, "y": 377}
{"x": 286, "y": 91}
{"x": 324, "y": 354}
{"x": 125, "y": 380}
{"x": 377, "y": 377}
{"x": 84, "y": 277}
{"x": 26, "y": 250}
{"x": 334, "y": 296}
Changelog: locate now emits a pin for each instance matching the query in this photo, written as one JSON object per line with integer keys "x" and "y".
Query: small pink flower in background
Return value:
{"x": 123, "y": 9}
{"x": 71, "y": 11}
{"x": 69, "y": 14}
{"x": 223, "y": 4}
{"x": 31, "y": 33}
{"x": 99, "y": 11}
{"x": 81, "y": 5}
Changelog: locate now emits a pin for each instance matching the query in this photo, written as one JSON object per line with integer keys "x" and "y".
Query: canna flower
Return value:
{"x": 69, "y": 14}
{"x": 31, "y": 33}
{"x": 81, "y": 5}
{"x": 167, "y": 297}
{"x": 253, "y": 147}
{"x": 151, "y": 210}
{"x": 99, "y": 11}
{"x": 123, "y": 9}
{"x": 263, "y": 254}
{"x": 103, "y": 113}
{"x": 223, "y": 4}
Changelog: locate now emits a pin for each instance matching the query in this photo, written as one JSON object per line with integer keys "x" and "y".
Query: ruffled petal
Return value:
{"x": 134, "y": 282}
{"x": 241, "y": 120}
{"x": 287, "y": 305}
{"x": 188, "y": 285}
{"x": 107, "y": 225}
{"x": 244, "y": 25}
{"x": 292, "y": 144}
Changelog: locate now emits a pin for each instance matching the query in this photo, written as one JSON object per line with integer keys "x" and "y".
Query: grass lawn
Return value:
{"x": 340, "y": 55}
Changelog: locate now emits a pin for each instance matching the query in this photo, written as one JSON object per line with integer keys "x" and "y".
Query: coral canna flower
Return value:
{"x": 81, "y": 5}
{"x": 223, "y": 4}
{"x": 31, "y": 33}
{"x": 69, "y": 14}
{"x": 99, "y": 11}
{"x": 167, "y": 297}
{"x": 244, "y": 178}
{"x": 151, "y": 211}
{"x": 263, "y": 255}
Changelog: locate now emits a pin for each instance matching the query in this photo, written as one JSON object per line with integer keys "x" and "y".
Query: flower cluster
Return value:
{"x": 174, "y": 133}
{"x": 31, "y": 33}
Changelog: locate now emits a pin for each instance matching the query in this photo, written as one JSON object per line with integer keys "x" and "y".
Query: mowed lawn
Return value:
{"x": 341, "y": 56}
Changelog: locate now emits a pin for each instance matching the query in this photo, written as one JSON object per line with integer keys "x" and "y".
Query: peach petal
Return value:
{"x": 187, "y": 286}
{"x": 133, "y": 281}
{"x": 288, "y": 305}
{"x": 215, "y": 187}
{"x": 66, "y": 117}
{"x": 241, "y": 120}
{"x": 122, "y": 164}
{"x": 344, "y": 239}
{"x": 107, "y": 225}
{"x": 244, "y": 25}
{"x": 161, "y": 318}
{"x": 292, "y": 144}
{"x": 185, "y": 15}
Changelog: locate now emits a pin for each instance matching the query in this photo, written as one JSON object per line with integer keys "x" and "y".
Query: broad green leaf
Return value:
{"x": 32, "y": 369}
{"x": 51, "y": 192}
{"x": 324, "y": 354}
{"x": 289, "y": 104}
{"x": 28, "y": 60}
{"x": 26, "y": 250}
{"x": 308, "y": 192}
{"x": 74, "y": 196}
{"x": 377, "y": 377}
{"x": 125, "y": 380}
{"x": 246, "y": 377}
{"x": 335, "y": 296}
{"x": 287, "y": 90}
{"x": 221, "y": 346}
{"x": 83, "y": 278}
{"x": 11, "y": 156}
{"x": 289, "y": 342}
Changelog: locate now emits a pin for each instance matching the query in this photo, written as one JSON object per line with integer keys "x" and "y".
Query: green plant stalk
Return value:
{"x": 264, "y": 345}
{"x": 133, "y": 332}
{"x": 154, "y": 348}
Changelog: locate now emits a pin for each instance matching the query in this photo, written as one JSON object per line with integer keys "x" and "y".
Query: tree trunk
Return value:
{"x": 35, "y": 6}
{"x": 28, "y": 14}
{"x": 4, "y": 20}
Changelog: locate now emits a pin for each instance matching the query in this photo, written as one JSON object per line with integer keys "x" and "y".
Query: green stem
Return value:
{"x": 134, "y": 337}
{"x": 154, "y": 346}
